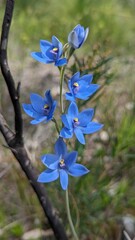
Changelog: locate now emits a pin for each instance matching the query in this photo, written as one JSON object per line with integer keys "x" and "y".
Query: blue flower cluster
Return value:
{"x": 61, "y": 164}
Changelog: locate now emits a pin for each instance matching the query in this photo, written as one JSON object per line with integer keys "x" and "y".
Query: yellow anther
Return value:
{"x": 55, "y": 49}
{"x": 46, "y": 106}
{"x": 62, "y": 162}
{"x": 75, "y": 119}
{"x": 75, "y": 84}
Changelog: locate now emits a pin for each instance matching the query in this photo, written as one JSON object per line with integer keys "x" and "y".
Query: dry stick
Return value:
{"x": 15, "y": 140}
{"x": 126, "y": 235}
{"x": 13, "y": 92}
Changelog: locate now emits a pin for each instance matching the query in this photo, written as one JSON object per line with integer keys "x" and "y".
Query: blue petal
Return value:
{"x": 87, "y": 88}
{"x": 44, "y": 45}
{"x": 73, "y": 110}
{"x": 37, "y": 103}
{"x": 81, "y": 35}
{"x": 79, "y": 135}
{"x": 56, "y": 43}
{"x": 39, "y": 57}
{"x": 70, "y": 87}
{"x": 50, "y": 161}
{"x": 77, "y": 27}
{"x": 69, "y": 97}
{"x": 48, "y": 176}
{"x": 44, "y": 51}
{"x": 86, "y": 91}
{"x": 77, "y": 170}
{"x": 63, "y": 179}
{"x": 67, "y": 121}
{"x": 50, "y": 54}
{"x": 87, "y": 78}
{"x": 37, "y": 121}
{"x": 93, "y": 88}
{"x": 86, "y": 34}
{"x": 48, "y": 97}
{"x": 29, "y": 110}
{"x": 51, "y": 113}
{"x": 61, "y": 62}
{"x": 70, "y": 158}
{"x": 66, "y": 133}
{"x": 83, "y": 83}
{"x": 85, "y": 116}
{"x": 92, "y": 127}
{"x": 83, "y": 96}
{"x": 71, "y": 81}
{"x": 75, "y": 77}
{"x": 73, "y": 39}
{"x": 60, "y": 147}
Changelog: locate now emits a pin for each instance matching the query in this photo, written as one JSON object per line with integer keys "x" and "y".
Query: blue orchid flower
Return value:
{"x": 78, "y": 123}
{"x": 41, "y": 109}
{"x": 50, "y": 52}
{"x": 61, "y": 164}
{"x": 81, "y": 87}
{"x": 77, "y": 36}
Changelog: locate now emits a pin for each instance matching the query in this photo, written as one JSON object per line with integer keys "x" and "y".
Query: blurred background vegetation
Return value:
{"x": 103, "y": 202}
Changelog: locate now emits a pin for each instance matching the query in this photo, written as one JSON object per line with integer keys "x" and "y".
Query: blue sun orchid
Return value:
{"x": 77, "y": 36}
{"x": 81, "y": 87}
{"x": 41, "y": 109}
{"x": 61, "y": 164}
{"x": 51, "y": 52}
{"x": 78, "y": 123}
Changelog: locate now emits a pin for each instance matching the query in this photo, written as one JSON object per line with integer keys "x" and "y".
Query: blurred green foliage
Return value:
{"x": 111, "y": 22}
{"x": 100, "y": 199}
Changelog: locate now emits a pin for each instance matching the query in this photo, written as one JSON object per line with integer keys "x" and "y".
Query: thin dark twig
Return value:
{"x": 18, "y": 89}
{"x": 15, "y": 140}
{"x": 6, "y": 70}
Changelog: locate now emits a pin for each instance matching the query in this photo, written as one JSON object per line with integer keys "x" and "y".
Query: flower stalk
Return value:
{"x": 69, "y": 217}
{"x": 61, "y": 88}
{"x": 56, "y": 125}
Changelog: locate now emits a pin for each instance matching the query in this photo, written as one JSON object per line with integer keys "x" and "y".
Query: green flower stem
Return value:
{"x": 62, "y": 70}
{"x": 70, "y": 52}
{"x": 69, "y": 217}
{"x": 56, "y": 125}
{"x": 61, "y": 88}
